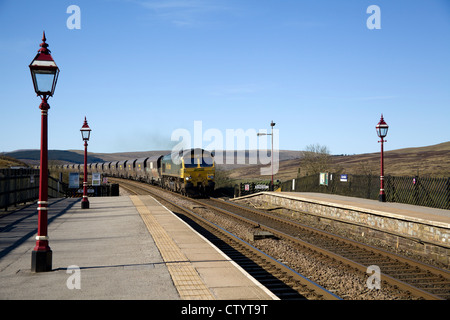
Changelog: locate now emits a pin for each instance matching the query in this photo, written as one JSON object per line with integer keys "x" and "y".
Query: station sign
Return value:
{"x": 74, "y": 180}
{"x": 323, "y": 179}
{"x": 96, "y": 179}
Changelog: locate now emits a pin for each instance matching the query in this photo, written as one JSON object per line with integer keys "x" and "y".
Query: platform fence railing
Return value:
{"x": 415, "y": 190}
{"x": 21, "y": 185}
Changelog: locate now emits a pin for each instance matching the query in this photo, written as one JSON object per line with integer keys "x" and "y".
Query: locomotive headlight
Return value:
{"x": 210, "y": 176}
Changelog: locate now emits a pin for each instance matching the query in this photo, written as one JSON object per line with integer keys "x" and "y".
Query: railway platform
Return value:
{"x": 439, "y": 217}
{"x": 127, "y": 247}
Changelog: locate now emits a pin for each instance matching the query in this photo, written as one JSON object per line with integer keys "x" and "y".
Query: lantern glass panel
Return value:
{"x": 44, "y": 82}
{"x": 85, "y": 134}
{"x": 382, "y": 131}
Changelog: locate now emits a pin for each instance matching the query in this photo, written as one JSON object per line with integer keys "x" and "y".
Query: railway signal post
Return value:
{"x": 44, "y": 73}
{"x": 272, "y": 124}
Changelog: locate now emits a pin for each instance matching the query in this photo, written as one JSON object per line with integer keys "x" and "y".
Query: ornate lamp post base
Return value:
{"x": 84, "y": 204}
{"x": 41, "y": 261}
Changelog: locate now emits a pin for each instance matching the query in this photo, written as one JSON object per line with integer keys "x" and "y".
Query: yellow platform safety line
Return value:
{"x": 186, "y": 279}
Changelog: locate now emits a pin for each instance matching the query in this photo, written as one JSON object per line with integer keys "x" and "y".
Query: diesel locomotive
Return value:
{"x": 189, "y": 172}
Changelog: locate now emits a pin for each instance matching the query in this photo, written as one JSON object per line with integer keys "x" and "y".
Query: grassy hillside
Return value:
{"x": 8, "y": 162}
{"x": 424, "y": 161}
{"x": 32, "y": 157}
{"x": 431, "y": 161}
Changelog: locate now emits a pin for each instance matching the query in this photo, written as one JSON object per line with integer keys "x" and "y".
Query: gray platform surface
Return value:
{"x": 128, "y": 247}
{"x": 115, "y": 254}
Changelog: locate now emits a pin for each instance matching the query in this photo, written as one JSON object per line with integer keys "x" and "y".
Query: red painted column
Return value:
{"x": 382, "y": 195}
{"x": 85, "y": 201}
{"x": 42, "y": 255}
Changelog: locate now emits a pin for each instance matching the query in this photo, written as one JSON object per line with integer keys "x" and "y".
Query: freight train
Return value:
{"x": 189, "y": 172}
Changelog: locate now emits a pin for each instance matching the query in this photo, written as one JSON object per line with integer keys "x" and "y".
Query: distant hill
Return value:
{"x": 77, "y": 156}
{"x": 424, "y": 161}
{"x": 32, "y": 157}
{"x": 431, "y": 161}
{"x": 8, "y": 162}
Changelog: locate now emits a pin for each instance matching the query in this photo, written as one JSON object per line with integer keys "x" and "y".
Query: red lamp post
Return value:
{"x": 85, "y": 133}
{"x": 382, "y": 129}
{"x": 44, "y": 73}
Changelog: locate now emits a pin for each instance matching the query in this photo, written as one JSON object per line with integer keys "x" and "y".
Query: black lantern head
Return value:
{"x": 85, "y": 131}
{"x": 382, "y": 128}
{"x": 44, "y": 71}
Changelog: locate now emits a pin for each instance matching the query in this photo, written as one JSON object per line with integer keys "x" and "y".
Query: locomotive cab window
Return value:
{"x": 207, "y": 162}
{"x": 190, "y": 162}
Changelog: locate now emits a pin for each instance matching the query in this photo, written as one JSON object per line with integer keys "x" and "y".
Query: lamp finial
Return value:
{"x": 44, "y": 46}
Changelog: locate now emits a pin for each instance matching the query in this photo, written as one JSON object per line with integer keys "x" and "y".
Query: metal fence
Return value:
{"x": 430, "y": 192}
{"x": 22, "y": 185}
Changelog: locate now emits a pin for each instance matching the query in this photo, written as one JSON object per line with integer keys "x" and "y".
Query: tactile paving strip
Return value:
{"x": 185, "y": 277}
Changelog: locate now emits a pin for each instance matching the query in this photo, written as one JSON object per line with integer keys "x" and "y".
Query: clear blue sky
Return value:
{"x": 140, "y": 69}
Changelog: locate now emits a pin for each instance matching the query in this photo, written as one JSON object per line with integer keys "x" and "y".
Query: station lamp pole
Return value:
{"x": 85, "y": 133}
{"x": 272, "y": 124}
{"x": 382, "y": 129}
{"x": 44, "y": 73}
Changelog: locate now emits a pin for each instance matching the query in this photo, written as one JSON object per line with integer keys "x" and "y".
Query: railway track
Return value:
{"x": 420, "y": 279}
{"x": 408, "y": 279}
{"x": 284, "y": 282}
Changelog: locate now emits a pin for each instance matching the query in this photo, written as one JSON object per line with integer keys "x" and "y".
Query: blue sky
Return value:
{"x": 140, "y": 69}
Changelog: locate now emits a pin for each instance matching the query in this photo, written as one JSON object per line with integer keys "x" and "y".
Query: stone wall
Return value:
{"x": 426, "y": 238}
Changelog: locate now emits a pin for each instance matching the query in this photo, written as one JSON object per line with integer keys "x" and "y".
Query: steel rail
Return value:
{"x": 384, "y": 277}
{"x": 405, "y": 286}
{"x": 304, "y": 281}
{"x": 375, "y": 250}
